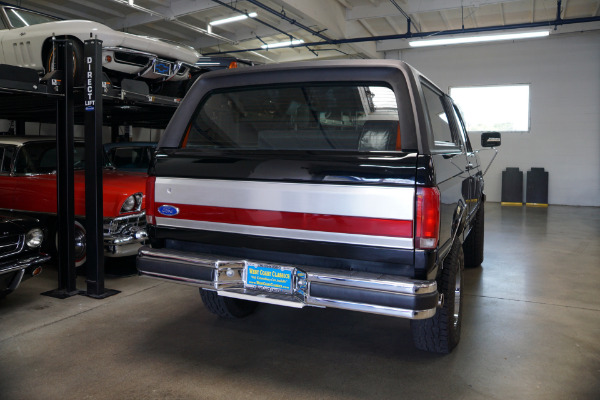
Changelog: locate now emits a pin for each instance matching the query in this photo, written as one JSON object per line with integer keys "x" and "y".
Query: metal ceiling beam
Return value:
{"x": 288, "y": 19}
{"x": 168, "y": 17}
{"x": 541, "y": 24}
{"x": 177, "y": 8}
{"x": 408, "y": 18}
{"x": 149, "y": 30}
{"x": 345, "y": 4}
{"x": 222, "y": 3}
{"x": 44, "y": 6}
{"x": 444, "y": 19}
{"x": 414, "y": 7}
{"x": 332, "y": 17}
{"x": 367, "y": 27}
{"x": 95, "y": 6}
{"x": 474, "y": 18}
{"x": 394, "y": 25}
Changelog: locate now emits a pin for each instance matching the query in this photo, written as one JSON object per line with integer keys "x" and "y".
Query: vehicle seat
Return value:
{"x": 378, "y": 136}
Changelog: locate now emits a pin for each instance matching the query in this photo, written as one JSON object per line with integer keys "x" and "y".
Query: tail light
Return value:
{"x": 427, "y": 231}
{"x": 150, "y": 182}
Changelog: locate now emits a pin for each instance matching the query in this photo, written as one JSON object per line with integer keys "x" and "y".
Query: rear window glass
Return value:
{"x": 130, "y": 157}
{"x": 332, "y": 117}
{"x": 22, "y": 18}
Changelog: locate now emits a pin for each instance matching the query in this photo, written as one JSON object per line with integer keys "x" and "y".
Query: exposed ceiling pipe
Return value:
{"x": 255, "y": 19}
{"x": 288, "y": 19}
{"x": 408, "y": 19}
{"x": 496, "y": 28}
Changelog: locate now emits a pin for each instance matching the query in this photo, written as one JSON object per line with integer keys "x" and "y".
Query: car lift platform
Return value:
{"x": 23, "y": 96}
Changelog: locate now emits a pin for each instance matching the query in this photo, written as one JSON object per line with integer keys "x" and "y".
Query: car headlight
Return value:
{"x": 129, "y": 204}
{"x": 132, "y": 203}
{"x": 34, "y": 238}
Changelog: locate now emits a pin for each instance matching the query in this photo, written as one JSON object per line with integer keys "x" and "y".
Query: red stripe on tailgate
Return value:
{"x": 292, "y": 220}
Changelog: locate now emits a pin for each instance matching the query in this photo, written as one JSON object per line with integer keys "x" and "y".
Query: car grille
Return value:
{"x": 124, "y": 225}
{"x": 10, "y": 244}
{"x": 131, "y": 58}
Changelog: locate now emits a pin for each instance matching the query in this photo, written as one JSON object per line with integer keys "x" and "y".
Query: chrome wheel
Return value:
{"x": 80, "y": 247}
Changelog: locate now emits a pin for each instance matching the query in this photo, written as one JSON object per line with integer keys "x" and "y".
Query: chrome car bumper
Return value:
{"x": 358, "y": 291}
{"x": 21, "y": 267}
{"x": 23, "y": 263}
{"x": 146, "y": 65}
{"x": 123, "y": 236}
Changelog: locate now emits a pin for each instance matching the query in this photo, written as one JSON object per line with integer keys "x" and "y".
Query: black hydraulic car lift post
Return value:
{"x": 65, "y": 175}
{"x": 94, "y": 217}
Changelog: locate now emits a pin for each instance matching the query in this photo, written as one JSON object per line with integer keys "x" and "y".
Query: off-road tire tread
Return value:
{"x": 435, "y": 334}
{"x": 473, "y": 246}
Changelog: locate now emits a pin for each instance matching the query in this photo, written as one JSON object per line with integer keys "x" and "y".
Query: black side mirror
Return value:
{"x": 490, "y": 139}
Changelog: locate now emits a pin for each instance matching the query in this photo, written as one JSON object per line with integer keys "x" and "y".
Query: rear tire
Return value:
{"x": 441, "y": 333}
{"x": 80, "y": 250}
{"x": 78, "y": 69}
{"x": 473, "y": 246}
{"x": 226, "y": 307}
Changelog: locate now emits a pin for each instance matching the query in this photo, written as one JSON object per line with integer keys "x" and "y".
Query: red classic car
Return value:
{"x": 28, "y": 184}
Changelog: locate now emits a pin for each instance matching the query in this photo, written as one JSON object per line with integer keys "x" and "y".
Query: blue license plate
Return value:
{"x": 269, "y": 277}
{"x": 162, "y": 68}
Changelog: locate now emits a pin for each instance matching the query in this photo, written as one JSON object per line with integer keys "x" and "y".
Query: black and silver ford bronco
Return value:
{"x": 344, "y": 184}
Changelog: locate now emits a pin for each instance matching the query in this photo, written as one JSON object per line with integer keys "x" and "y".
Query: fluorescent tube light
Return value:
{"x": 477, "y": 39}
{"x": 233, "y": 19}
{"x": 282, "y": 44}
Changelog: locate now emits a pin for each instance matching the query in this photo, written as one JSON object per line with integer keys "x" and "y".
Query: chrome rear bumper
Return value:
{"x": 358, "y": 291}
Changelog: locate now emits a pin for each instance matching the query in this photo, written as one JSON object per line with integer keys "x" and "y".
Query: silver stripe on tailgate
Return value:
{"x": 327, "y": 199}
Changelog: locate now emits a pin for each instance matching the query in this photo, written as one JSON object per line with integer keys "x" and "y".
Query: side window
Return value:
{"x": 2, "y": 24}
{"x": 6, "y": 154}
{"x": 439, "y": 121}
{"x": 461, "y": 128}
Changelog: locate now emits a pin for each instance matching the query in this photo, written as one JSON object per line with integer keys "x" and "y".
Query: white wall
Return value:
{"x": 564, "y": 73}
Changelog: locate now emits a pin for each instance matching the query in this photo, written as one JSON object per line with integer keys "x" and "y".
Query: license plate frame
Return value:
{"x": 269, "y": 277}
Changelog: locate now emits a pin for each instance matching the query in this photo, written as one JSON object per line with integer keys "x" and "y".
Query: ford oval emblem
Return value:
{"x": 168, "y": 210}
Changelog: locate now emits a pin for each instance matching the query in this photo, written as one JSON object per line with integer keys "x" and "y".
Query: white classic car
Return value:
{"x": 26, "y": 41}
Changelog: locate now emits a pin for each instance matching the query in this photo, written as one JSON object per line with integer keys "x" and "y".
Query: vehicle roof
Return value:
{"x": 401, "y": 77}
{"x": 129, "y": 144}
{"x": 303, "y": 65}
{"x": 20, "y": 140}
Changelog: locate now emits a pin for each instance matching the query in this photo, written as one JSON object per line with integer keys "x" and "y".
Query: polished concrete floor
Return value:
{"x": 531, "y": 331}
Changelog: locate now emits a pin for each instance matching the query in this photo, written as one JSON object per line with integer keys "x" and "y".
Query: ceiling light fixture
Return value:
{"x": 477, "y": 39}
{"x": 282, "y": 44}
{"x": 233, "y": 19}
